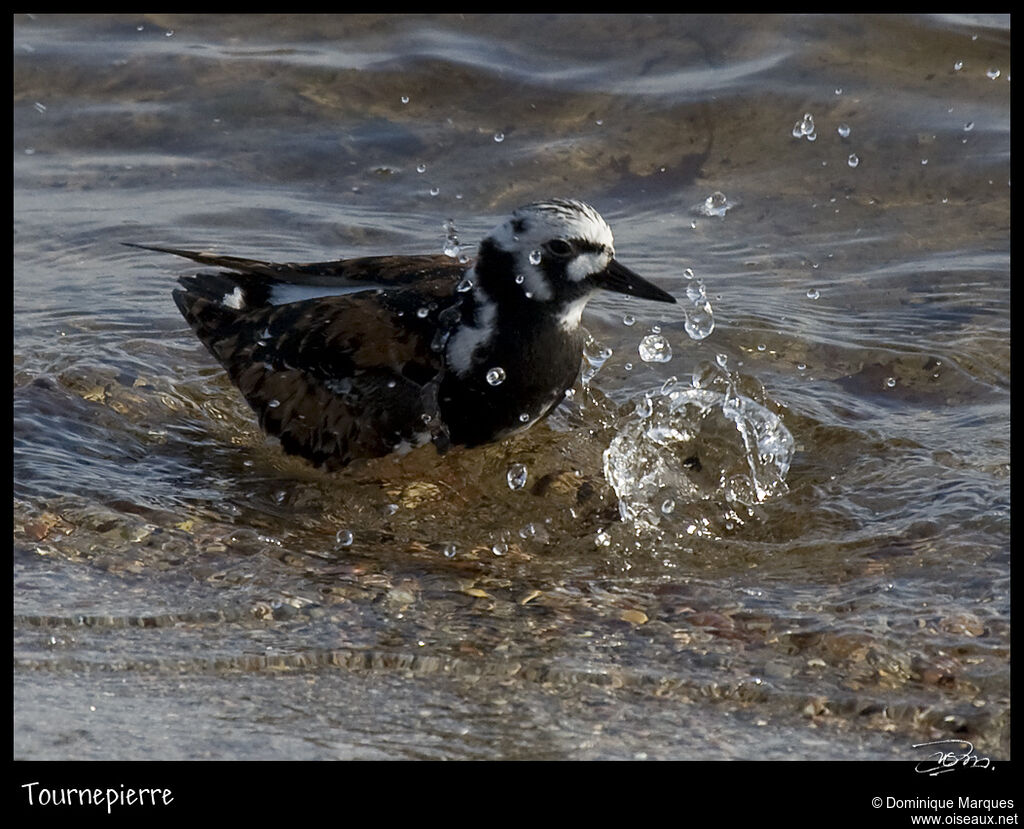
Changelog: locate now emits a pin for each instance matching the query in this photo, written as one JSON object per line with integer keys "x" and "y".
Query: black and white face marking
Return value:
{"x": 464, "y": 342}
{"x": 559, "y": 238}
{"x": 551, "y": 248}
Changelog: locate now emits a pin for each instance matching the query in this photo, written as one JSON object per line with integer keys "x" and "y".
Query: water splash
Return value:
{"x": 595, "y": 355}
{"x": 654, "y": 348}
{"x": 804, "y": 128}
{"x": 700, "y": 318}
{"x": 717, "y": 204}
{"x": 451, "y": 247}
{"x": 702, "y": 443}
{"x": 516, "y": 476}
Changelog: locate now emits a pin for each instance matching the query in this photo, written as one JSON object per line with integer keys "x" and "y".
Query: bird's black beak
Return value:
{"x": 619, "y": 278}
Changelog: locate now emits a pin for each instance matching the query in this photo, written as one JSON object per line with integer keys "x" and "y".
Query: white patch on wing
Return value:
{"x": 234, "y": 299}
{"x": 283, "y": 293}
{"x": 465, "y": 341}
{"x": 404, "y": 447}
{"x": 586, "y": 264}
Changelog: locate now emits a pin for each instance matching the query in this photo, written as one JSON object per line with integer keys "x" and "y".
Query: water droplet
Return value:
{"x": 958, "y": 66}
{"x": 516, "y": 476}
{"x": 422, "y": 312}
{"x": 714, "y": 205}
{"x": 628, "y": 319}
{"x": 667, "y": 506}
{"x": 853, "y": 160}
{"x": 465, "y": 284}
{"x": 843, "y": 130}
{"x": 434, "y": 191}
{"x": 890, "y": 382}
{"x": 813, "y": 293}
{"x": 654, "y": 348}
{"x": 169, "y": 34}
{"x": 496, "y": 376}
{"x": 499, "y": 549}
{"x": 520, "y": 279}
{"x": 992, "y": 74}
{"x": 688, "y": 273}
{"x": 761, "y": 347}
{"x": 645, "y": 405}
{"x": 344, "y": 538}
{"x": 535, "y": 257}
{"x": 700, "y": 321}
{"x": 839, "y": 90}
{"x": 596, "y": 356}
{"x": 405, "y": 99}
{"x": 627, "y": 366}
{"x": 449, "y": 550}
{"x": 804, "y": 128}
{"x": 524, "y": 417}
{"x": 499, "y": 137}
{"x": 273, "y": 404}
{"x": 421, "y": 168}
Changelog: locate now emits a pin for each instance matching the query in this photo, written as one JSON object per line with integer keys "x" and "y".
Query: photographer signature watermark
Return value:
{"x": 942, "y": 761}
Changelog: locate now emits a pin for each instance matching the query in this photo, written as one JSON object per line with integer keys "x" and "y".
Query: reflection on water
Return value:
{"x": 781, "y": 506}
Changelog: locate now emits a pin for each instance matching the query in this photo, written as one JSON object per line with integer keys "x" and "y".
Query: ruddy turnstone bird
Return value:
{"x": 364, "y": 357}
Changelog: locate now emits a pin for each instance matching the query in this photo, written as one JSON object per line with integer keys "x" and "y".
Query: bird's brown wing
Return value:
{"x": 336, "y": 377}
{"x": 428, "y": 273}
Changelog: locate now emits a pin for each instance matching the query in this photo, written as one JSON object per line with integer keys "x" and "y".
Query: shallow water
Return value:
{"x": 184, "y": 590}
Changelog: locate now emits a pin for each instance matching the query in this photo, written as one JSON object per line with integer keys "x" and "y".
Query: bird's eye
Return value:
{"x": 559, "y": 248}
